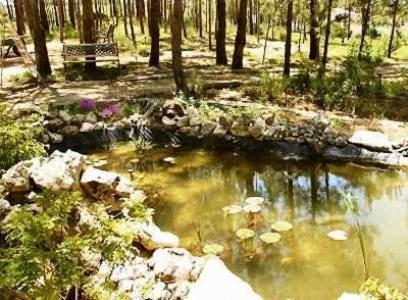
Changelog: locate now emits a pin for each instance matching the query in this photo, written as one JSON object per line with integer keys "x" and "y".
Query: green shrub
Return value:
{"x": 17, "y": 140}
{"x": 267, "y": 89}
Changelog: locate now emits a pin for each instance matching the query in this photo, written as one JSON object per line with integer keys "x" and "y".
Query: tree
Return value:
{"x": 221, "y": 56}
{"x": 288, "y": 42}
{"x": 395, "y": 8}
{"x": 327, "y": 33}
{"x": 240, "y": 38}
{"x": 154, "y": 33}
{"x": 88, "y": 30}
{"x": 43, "y": 16}
{"x": 366, "y": 6}
{"x": 71, "y": 12}
{"x": 61, "y": 19}
{"x": 314, "y": 31}
{"x": 39, "y": 38}
{"x": 19, "y": 9}
{"x": 176, "y": 28}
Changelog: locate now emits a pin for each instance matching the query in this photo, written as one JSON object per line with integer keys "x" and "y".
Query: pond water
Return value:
{"x": 189, "y": 195}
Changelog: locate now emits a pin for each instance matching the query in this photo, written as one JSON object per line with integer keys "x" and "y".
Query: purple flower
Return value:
{"x": 87, "y": 104}
{"x": 109, "y": 111}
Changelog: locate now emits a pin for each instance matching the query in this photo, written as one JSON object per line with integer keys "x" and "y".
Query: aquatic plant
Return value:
{"x": 213, "y": 249}
{"x": 270, "y": 237}
{"x": 87, "y": 104}
{"x": 352, "y": 207}
{"x": 244, "y": 233}
{"x": 141, "y": 144}
{"x": 232, "y": 209}
{"x": 281, "y": 226}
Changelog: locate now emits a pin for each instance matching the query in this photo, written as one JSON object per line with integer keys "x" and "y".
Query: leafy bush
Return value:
{"x": 374, "y": 289}
{"x": 47, "y": 250}
{"x": 17, "y": 140}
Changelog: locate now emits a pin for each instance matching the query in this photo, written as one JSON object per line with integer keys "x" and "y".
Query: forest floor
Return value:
{"x": 138, "y": 80}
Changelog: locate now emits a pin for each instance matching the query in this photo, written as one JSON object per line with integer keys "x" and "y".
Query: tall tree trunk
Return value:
{"x": 79, "y": 20}
{"x": 393, "y": 26}
{"x": 54, "y": 6}
{"x": 176, "y": 24}
{"x": 88, "y": 30}
{"x": 288, "y": 42}
{"x": 349, "y": 21}
{"x": 268, "y": 26}
{"x": 71, "y": 12}
{"x": 125, "y": 17}
{"x": 155, "y": 33}
{"x": 314, "y": 31}
{"x": 365, "y": 13}
{"x": 183, "y": 23}
{"x": 60, "y": 9}
{"x": 39, "y": 38}
{"x": 251, "y": 20}
{"x": 327, "y": 34}
{"x": 200, "y": 18}
{"x": 132, "y": 29}
{"x": 43, "y": 15}
{"x": 240, "y": 38}
{"x": 209, "y": 24}
{"x": 19, "y": 8}
{"x": 141, "y": 15}
{"x": 221, "y": 56}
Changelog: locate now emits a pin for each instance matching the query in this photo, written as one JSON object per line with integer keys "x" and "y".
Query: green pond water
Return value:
{"x": 189, "y": 195}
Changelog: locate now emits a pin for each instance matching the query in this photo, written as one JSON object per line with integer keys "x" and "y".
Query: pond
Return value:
{"x": 189, "y": 189}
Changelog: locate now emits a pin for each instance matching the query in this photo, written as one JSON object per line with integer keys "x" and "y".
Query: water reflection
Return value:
{"x": 305, "y": 264}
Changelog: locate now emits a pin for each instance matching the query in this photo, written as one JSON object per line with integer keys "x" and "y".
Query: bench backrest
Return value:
{"x": 106, "y": 49}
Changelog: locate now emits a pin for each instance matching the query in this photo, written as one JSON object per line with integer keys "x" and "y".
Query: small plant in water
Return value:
{"x": 352, "y": 206}
{"x": 142, "y": 145}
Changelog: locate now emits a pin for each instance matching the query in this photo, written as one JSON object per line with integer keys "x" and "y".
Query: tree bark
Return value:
{"x": 221, "y": 56}
{"x": 43, "y": 15}
{"x": 240, "y": 38}
{"x": 209, "y": 25}
{"x": 176, "y": 28}
{"x": 288, "y": 42}
{"x": 327, "y": 34}
{"x": 19, "y": 9}
{"x": 71, "y": 12}
{"x": 268, "y": 26}
{"x": 132, "y": 29}
{"x": 125, "y": 17}
{"x": 39, "y": 38}
{"x": 155, "y": 33}
{"x": 88, "y": 30}
{"x": 79, "y": 20}
{"x": 365, "y": 13}
{"x": 393, "y": 26}
{"x": 314, "y": 31}
{"x": 141, "y": 15}
{"x": 251, "y": 20}
{"x": 200, "y": 17}
{"x": 60, "y": 10}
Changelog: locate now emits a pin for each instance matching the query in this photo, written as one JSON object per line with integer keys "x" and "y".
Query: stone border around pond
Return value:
{"x": 311, "y": 138}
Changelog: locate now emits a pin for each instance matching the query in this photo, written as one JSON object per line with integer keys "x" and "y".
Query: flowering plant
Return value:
{"x": 110, "y": 111}
{"x": 87, "y": 104}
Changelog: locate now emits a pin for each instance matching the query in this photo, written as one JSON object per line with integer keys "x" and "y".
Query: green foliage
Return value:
{"x": 48, "y": 250}
{"x": 267, "y": 89}
{"x": 142, "y": 145}
{"x": 374, "y": 289}
{"x": 17, "y": 140}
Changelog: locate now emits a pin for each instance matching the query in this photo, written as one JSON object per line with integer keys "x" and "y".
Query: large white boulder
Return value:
{"x": 61, "y": 171}
{"x": 97, "y": 182}
{"x": 152, "y": 238}
{"x": 17, "y": 178}
{"x": 373, "y": 140}
{"x": 216, "y": 282}
{"x": 175, "y": 264}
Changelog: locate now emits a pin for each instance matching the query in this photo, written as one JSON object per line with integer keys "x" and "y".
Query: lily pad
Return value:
{"x": 252, "y": 208}
{"x": 254, "y": 200}
{"x": 281, "y": 226}
{"x": 338, "y": 235}
{"x": 270, "y": 237}
{"x": 244, "y": 233}
{"x": 232, "y": 209}
{"x": 169, "y": 159}
{"x": 213, "y": 249}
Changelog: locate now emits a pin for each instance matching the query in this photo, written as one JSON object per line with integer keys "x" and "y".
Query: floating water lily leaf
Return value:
{"x": 252, "y": 208}
{"x": 270, "y": 237}
{"x": 134, "y": 160}
{"x": 338, "y": 235}
{"x": 169, "y": 159}
{"x": 281, "y": 226}
{"x": 213, "y": 249}
{"x": 244, "y": 233}
{"x": 254, "y": 200}
{"x": 232, "y": 209}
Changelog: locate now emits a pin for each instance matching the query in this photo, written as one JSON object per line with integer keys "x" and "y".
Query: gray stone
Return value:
{"x": 17, "y": 178}
{"x": 183, "y": 121}
{"x": 152, "y": 238}
{"x": 208, "y": 128}
{"x": 54, "y": 124}
{"x": 220, "y": 131}
{"x": 91, "y": 118}
{"x": 269, "y": 119}
{"x": 195, "y": 120}
{"x": 168, "y": 122}
{"x": 239, "y": 129}
{"x": 77, "y": 119}
{"x": 191, "y": 111}
{"x": 64, "y": 116}
{"x": 225, "y": 121}
{"x": 258, "y": 128}
{"x": 372, "y": 140}
{"x": 70, "y": 130}
{"x": 55, "y": 138}
{"x": 87, "y": 127}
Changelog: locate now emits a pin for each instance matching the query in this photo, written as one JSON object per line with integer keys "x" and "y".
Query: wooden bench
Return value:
{"x": 89, "y": 53}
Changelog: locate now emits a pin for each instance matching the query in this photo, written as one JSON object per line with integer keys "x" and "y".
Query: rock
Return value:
{"x": 174, "y": 264}
{"x": 179, "y": 290}
{"x": 5, "y": 208}
{"x": 219, "y": 131}
{"x": 98, "y": 182}
{"x": 207, "y": 128}
{"x": 371, "y": 140}
{"x": 87, "y": 127}
{"x": 60, "y": 171}
{"x": 77, "y": 119}
{"x": 182, "y": 121}
{"x": 239, "y": 129}
{"x": 195, "y": 121}
{"x": 225, "y": 121}
{"x": 17, "y": 178}
{"x": 91, "y": 118}
{"x": 216, "y": 282}
{"x": 340, "y": 141}
{"x": 44, "y": 138}
{"x": 269, "y": 119}
{"x": 258, "y": 128}
{"x": 152, "y": 238}
{"x": 54, "y": 124}
{"x": 64, "y": 116}
{"x": 158, "y": 292}
{"x": 169, "y": 123}
{"x": 173, "y": 108}
{"x": 70, "y": 130}
{"x": 192, "y": 112}
{"x": 56, "y": 138}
